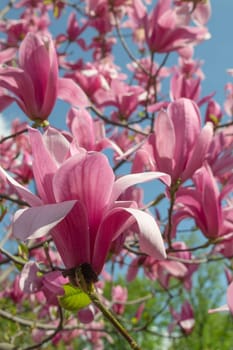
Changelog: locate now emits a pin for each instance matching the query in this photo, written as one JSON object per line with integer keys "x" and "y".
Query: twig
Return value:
{"x": 13, "y": 135}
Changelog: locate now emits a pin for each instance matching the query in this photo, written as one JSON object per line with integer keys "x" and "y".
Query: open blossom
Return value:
{"x": 88, "y": 133}
{"x": 35, "y": 84}
{"x": 204, "y": 204}
{"x": 186, "y": 80}
{"x": 78, "y": 203}
{"x": 166, "y": 30}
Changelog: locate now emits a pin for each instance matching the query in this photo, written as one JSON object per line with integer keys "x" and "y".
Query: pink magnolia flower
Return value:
{"x": 119, "y": 297}
{"x": 186, "y": 80}
{"x": 185, "y": 319}
{"x": 198, "y": 10}
{"x": 78, "y": 203}
{"x": 220, "y": 156}
{"x": 51, "y": 284}
{"x": 73, "y": 31}
{"x": 188, "y": 143}
{"x": 154, "y": 269}
{"x": 167, "y": 31}
{"x": 203, "y": 204}
{"x": 124, "y": 97}
{"x": 35, "y": 84}
{"x": 213, "y": 112}
{"x": 88, "y": 133}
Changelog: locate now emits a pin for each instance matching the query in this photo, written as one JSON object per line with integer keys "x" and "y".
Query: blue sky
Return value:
{"x": 217, "y": 54}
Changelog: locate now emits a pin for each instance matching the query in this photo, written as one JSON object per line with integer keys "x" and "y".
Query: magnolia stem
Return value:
{"x": 108, "y": 314}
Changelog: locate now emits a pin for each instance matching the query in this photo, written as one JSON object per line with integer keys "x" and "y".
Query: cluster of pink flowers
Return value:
{"x": 88, "y": 212}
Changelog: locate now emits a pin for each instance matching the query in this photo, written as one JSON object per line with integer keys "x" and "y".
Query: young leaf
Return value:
{"x": 74, "y": 298}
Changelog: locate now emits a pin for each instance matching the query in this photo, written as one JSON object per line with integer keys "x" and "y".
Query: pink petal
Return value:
{"x": 86, "y": 315}
{"x": 114, "y": 223}
{"x": 44, "y": 167}
{"x": 17, "y": 82}
{"x": 81, "y": 125}
{"x": 150, "y": 239}
{"x": 199, "y": 152}
{"x": 126, "y": 181}
{"x": 38, "y": 221}
{"x": 35, "y": 61}
{"x": 57, "y": 145}
{"x": 89, "y": 178}
{"x": 23, "y": 192}
{"x": 29, "y": 281}
{"x": 7, "y": 54}
{"x": 186, "y": 113}
{"x": 164, "y": 151}
{"x": 119, "y": 220}
{"x": 230, "y": 297}
{"x": 219, "y": 309}
{"x": 175, "y": 268}
{"x": 71, "y": 237}
{"x": 70, "y": 92}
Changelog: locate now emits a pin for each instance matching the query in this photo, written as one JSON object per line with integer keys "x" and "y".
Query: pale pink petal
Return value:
{"x": 119, "y": 220}
{"x": 29, "y": 281}
{"x": 7, "y": 54}
{"x": 81, "y": 125}
{"x": 57, "y": 145}
{"x": 5, "y": 100}
{"x": 202, "y": 12}
{"x": 38, "y": 221}
{"x": 230, "y": 297}
{"x": 23, "y": 192}
{"x": 126, "y": 181}
{"x": 164, "y": 151}
{"x": 114, "y": 223}
{"x": 150, "y": 239}
{"x": 44, "y": 166}
{"x": 70, "y": 92}
{"x": 175, "y": 268}
{"x": 186, "y": 113}
{"x": 219, "y": 309}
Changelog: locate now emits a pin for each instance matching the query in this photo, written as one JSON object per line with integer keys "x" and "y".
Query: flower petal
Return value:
{"x": 70, "y": 92}
{"x": 230, "y": 297}
{"x": 71, "y": 237}
{"x": 199, "y": 151}
{"x": 38, "y": 221}
{"x": 44, "y": 166}
{"x": 89, "y": 178}
{"x": 126, "y": 181}
{"x": 23, "y": 192}
{"x": 116, "y": 222}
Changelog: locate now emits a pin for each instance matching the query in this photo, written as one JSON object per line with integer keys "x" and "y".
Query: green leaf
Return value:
{"x": 74, "y": 298}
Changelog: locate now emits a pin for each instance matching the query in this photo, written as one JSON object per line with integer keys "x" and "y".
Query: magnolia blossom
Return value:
{"x": 188, "y": 144}
{"x": 185, "y": 319}
{"x": 35, "y": 84}
{"x": 78, "y": 203}
{"x": 204, "y": 204}
{"x": 167, "y": 30}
